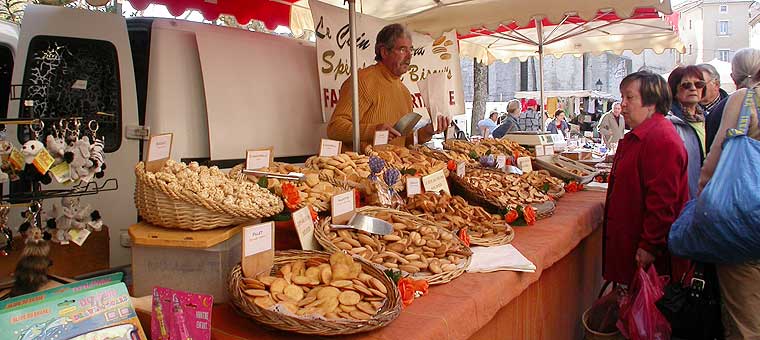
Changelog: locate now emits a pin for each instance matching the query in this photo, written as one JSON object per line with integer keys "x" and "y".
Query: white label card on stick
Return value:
{"x": 436, "y": 182}
{"x": 540, "y": 150}
{"x": 381, "y": 137}
{"x": 343, "y": 206}
{"x": 329, "y": 148}
{"x": 524, "y": 163}
{"x": 305, "y": 227}
{"x": 258, "y": 248}
{"x": 460, "y": 169}
{"x": 501, "y": 161}
{"x": 549, "y": 150}
{"x": 159, "y": 151}
{"x": 257, "y": 159}
{"x": 413, "y": 186}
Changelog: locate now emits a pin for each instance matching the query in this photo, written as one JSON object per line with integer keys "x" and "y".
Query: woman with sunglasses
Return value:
{"x": 687, "y": 85}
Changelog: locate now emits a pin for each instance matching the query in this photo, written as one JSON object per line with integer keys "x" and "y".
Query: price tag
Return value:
{"x": 258, "y": 248}
{"x": 549, "y": 150}
{"x": 413, "y": 186}
{"x": 61, "y": 172}
{"x": 381, "y": 138}
{"x": 80, "y": 84}
{"x": 460, "y": 169}
{"x": 501, "y": 161}
{"x": 159, "y": 151}
{"x": 17, "y": 160}
{"x": 436, "y": 182}
{"x": 539, "y": 150}
{"x": 343, "y": 206}
{"x": 305, "y": 228}
{"x": 78, "y": 236}
{"x": 525, "y": 164}
{"x": 588, "y": 134}
{"x": 329, "y": 148}
{"x": 257, "y": 159}
{"x": 43, "y": 161}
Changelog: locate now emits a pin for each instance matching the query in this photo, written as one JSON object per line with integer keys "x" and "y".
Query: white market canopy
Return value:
{"x": 563, "y": 94}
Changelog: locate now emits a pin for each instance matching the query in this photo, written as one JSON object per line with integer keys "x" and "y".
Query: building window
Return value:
{"x": 724, "y": 55}
{"x": 723, "y": 27}
{"x": 723, "y": 9}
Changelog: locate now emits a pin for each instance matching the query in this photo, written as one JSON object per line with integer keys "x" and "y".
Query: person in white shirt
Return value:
{"x": 487, "y": 125}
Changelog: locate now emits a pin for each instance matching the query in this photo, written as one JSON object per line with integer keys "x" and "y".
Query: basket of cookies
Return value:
{"x": 545, "y": 182}
{"x": 416, "y": 246}
{"x": 409, "y": 161}
{"x": 317, "y": 293}
{"x": 455, "y": 214}
{"x": 190, "y": 196}
{"x": 312, "y": 190}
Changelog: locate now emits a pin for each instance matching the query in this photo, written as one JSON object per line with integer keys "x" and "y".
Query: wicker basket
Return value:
{"x": 433, "y": 279}
{"x": 164, "y": 206}
{"x": 594, "y": 335}
{"x": 479, "y": 197}
{"x": 483, "y": 241}
{"x": 387, "y": 313}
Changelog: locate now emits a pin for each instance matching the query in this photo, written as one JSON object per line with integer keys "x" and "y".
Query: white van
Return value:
{"x": 219, "y": 90}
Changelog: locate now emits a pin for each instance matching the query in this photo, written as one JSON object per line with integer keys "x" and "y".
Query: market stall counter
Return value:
{"x": 547, "y": 304}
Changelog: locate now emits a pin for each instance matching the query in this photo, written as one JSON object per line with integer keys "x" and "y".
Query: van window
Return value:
{"x": 6, "y": 73}
{"x": 73, "y": 77}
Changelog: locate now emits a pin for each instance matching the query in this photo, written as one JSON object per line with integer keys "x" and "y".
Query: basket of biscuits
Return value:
{"x": 317, "y": 293}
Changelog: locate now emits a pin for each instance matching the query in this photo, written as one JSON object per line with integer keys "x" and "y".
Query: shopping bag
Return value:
{"x": 722, "y": 225}
{"x": 605, "y": 312}
{"x": 639, "y": 317}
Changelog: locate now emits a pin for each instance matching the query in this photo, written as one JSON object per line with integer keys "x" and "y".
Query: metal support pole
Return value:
{"x": 540, "y": 33}
{"x": 354, "y": 74}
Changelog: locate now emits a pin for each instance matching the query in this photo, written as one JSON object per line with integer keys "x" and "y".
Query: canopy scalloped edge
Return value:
{"x": 490, "y": 58}
{"x": 276, "y": 14}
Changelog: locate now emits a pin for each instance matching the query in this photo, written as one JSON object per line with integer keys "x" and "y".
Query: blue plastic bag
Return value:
{"x": 722, "y": 225}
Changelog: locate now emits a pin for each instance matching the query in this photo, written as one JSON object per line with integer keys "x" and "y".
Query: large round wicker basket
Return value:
{"x": 168, "y": 207}
{"x": 315, "y": 326}
{"x": 320, "y": 233}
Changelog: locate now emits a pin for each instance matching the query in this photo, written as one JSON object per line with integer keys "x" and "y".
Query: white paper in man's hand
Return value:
{"x": 435, "y": 94}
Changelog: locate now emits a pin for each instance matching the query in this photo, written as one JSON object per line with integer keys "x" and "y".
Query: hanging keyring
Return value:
{"x": 93, "y": 126}
{"x": 38, "y": 131}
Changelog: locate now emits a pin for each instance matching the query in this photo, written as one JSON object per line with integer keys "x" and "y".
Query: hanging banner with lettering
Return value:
{"x": 333, "y": 57}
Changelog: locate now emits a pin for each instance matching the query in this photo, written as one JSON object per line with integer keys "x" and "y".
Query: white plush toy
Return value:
{"x": 80, "y": 158}
{"x": 56, "y": 147}
{"x": 30, "y": 150}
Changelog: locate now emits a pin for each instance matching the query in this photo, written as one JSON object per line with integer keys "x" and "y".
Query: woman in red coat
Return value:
{"x": 648, "y": 185}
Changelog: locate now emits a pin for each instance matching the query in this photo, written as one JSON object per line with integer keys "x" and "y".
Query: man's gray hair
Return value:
{"x": 387, "y": 36}
{"x": 745, "y": 67}
{"x": 711, "y": 70}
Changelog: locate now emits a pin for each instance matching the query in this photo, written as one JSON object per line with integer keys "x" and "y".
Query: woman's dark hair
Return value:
{"x": 652, "y": 88}
{"x": 682, "y": 72}
{"x": 559, "y": 111}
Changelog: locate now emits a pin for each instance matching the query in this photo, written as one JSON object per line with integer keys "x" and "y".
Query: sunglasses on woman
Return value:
{"x": 699, "y": 84}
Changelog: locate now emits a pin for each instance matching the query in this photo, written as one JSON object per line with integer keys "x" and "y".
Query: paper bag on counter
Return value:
{"x": 435, "y": 93}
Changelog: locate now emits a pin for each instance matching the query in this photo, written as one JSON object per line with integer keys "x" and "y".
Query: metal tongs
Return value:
{"x": 366, "y": 223}
{"x": 293, "y": 176}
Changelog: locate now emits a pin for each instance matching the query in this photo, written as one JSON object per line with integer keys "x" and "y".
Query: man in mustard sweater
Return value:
{"x": 383, "y": 97}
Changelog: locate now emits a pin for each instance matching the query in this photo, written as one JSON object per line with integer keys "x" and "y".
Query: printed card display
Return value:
{"x": 305, "y": 228}
{"x": 258, "y": 248}
{"x": 43, "y": 161}
{"x": 257, "y": 159}
{"x": 540, "y": 150}
{"x": 413, "y": 186}
{"x": 329, "y": 148}
{"x": 525, "y": 164}
{"x": 343, "y": 206}
{"x": 159, "y": 151}
{"x": 548, "y": 150}
{"x": 436, "y": 182}
{"x": 501, "y": 161}
{"x": 78, "y": 236}
{"x": 180, "y": 315}
{"x": 381, "y": 137}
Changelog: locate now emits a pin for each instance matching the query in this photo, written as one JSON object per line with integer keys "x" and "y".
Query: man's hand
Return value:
{"x": 386, "y": 127}
{"x": 644, "y": 258}
{"x": 443, "y": 124}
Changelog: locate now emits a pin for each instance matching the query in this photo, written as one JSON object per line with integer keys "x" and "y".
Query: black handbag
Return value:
{"x": 694, "y": 309}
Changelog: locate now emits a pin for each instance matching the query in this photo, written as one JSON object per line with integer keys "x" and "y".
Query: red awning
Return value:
{"x": 639, "y": 13}
{"x": 270, "y": 12}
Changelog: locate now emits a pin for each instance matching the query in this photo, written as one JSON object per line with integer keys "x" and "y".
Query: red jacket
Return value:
{"x": 648, "y": 187}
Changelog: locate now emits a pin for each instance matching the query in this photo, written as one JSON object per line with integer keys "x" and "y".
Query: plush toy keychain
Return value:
{"x": 55, "y": 142}
{"x": 78, "y": 151}
{"x": 97, "y": 155}
{"x": 31, "y": 149}
{"x": 32, "y": 268}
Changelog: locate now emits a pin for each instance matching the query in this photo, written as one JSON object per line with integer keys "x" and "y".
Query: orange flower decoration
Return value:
{"x": 406, "y": 290}
{"x": 464, "y": 236}
{"x": 451, "y": 165}
{"x": 290, "y": 195}
{"x": 529, "y": 214}
{"x": 571, "y": 187}
{"x": 314, "y": 215}
{"x": 511, "y": 216}
{"x": 357, "y": 198}
{"x": 421, "y": 286}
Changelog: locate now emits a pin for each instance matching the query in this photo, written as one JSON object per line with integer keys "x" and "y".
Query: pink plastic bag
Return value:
{"x": 639, "y": 317}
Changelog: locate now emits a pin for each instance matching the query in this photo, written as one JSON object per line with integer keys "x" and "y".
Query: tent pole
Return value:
{"x": 354, "y": 74}
{"x": 540, "y": 33}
